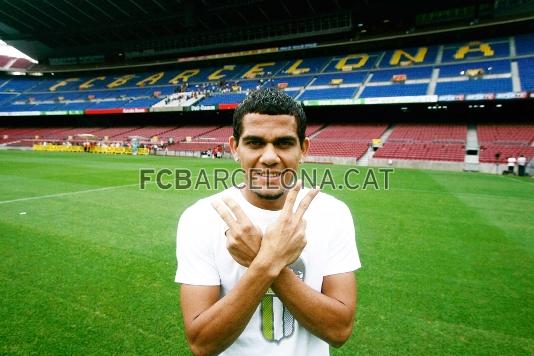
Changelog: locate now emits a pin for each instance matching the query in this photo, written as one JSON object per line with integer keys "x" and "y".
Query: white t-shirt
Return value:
{"x": 203, "y": 259}
{"x": 511, "y": 161}
{"x": 521, "y": 161}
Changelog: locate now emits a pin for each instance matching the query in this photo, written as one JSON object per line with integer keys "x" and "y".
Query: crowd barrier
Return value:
{"x": 57, "y": 148}
{"x": 96, "y": 149}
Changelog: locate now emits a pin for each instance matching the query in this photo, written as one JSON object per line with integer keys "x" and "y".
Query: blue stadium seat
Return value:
{"x": 334, "y": 93}
{"x": 371, "y": 62}
{"x": 411, "y": 73}
{"x": 490, "y": 67}
{"x": 526, "y": 73}
{"x": 228, "y": 98}
{"x": 500, "y": 48}
{"x": 429, "y": 58}
{"x": 394, "y": 90}
{"x": 348, "y": 78}
{"x": 524, "y": 44}
{"x": 475, "y": 86}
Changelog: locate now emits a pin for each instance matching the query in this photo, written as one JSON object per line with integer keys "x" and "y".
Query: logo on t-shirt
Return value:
{"x": 277, "y": 323}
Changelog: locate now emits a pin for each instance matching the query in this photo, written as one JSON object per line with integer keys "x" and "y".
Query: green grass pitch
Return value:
{"x": 87, "y": 259}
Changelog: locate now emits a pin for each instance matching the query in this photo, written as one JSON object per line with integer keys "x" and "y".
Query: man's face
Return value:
{"x": 268, "y": 146}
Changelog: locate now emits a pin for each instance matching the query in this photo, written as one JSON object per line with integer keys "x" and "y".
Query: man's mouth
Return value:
{"x": 269, "y": 174}
{"x": 268, "y": 178}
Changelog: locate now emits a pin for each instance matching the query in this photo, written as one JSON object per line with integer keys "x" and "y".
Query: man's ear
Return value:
{"x": 305, "y": 147}
{"x": 233, "y": 147}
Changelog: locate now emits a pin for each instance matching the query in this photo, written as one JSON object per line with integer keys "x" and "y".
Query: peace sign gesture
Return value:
{"x": 243, "y": 237}
{"x": 285, "y": 239}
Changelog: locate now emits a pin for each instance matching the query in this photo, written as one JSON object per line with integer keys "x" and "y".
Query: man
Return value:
{"x": 521, "y": 165}
{"x": 511, "y": 164}
{"x": 267, "y": 269}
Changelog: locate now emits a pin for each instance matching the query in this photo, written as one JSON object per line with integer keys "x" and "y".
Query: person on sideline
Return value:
{"x": 511, "y": 164}
{"x": 521, "y": 165}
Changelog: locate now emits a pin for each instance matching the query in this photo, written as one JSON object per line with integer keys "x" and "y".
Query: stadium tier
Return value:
{"x": 182, "y": 133}
{"x": 443, "y": 142}
{"x": 338, "y": 148}
{"x": 422, "y": 151}
{"x": 498, "y": 142}
{"x": 344, "y": 140}
{"x": 353, "y": 132}
{"x": 417, "y": 133}
{"x": 497, "y": 68}
{"x": 420, "y": 142}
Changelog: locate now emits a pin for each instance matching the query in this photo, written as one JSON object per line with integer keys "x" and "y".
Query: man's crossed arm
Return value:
{"x": 213, "y": 324}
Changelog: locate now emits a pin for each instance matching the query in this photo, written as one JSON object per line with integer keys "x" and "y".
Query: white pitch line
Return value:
{"x": 68, "y": 193}
{"x": 80, "y": 192}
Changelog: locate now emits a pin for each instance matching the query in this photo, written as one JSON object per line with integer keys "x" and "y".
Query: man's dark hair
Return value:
{"x": 270, "y": 101}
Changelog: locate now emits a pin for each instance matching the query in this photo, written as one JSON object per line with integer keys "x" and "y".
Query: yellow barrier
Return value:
{"x": 119, "y": 150}
{"x": 95, "y": 149}
{"x": 57, "y": 148}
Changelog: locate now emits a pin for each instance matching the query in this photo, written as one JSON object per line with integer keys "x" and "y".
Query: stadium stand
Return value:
{"x": 410, "y": 73}
{"x": 346, "y": 78}
{"x": 526, "y": 73}
{"x": 474, "y": 86}
{"x": 506, "y": 140}
{"x": 476, "y": 67}
{"x": 430, "y": 133}
{"x": 345, "y": 140}
{"x": 394, "y": 90}
{"x": 435, "y": 142}
{"x": 334, "y": 93}
{"x": 524, "y": 44}
{"x": 181, "y": 133}
{"x": 422, "y": 151}
{"x": 312, "y": 129}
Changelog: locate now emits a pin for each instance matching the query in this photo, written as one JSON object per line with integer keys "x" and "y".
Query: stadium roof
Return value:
{"x": 56, "y": 28}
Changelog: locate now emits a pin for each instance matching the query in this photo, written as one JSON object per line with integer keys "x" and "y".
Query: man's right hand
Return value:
{"x": 285, "y": 239}
{"x": 243, "y": 237}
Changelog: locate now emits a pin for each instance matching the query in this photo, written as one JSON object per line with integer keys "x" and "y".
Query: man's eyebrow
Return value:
{"x": 253, "y": 138}
{"x": 286, "y": 139}
{"x": 276, "y": 140}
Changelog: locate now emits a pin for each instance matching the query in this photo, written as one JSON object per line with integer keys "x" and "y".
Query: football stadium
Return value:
{"x": 115, "y": 117}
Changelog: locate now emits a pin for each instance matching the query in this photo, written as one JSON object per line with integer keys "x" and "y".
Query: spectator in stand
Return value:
{"x": 511, "y": 164}
{"x": 521, "y": 165}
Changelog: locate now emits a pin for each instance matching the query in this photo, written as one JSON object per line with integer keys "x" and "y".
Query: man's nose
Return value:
{"x": 269, "y": 157}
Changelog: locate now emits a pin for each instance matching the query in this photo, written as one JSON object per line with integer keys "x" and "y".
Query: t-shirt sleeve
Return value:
{"x": 194, "y": 250}
{"x": 342, "y": 251}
